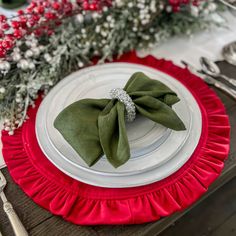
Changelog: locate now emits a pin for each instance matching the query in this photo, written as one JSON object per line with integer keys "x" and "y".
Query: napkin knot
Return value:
{"x": 97, "y": 127}
{"x": 122, "y": 96}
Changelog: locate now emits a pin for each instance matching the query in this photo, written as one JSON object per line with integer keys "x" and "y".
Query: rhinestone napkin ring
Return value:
{"x": 123, "y": 97}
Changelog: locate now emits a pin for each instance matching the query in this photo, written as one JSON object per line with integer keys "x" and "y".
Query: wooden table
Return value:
{"x": 42, "y": 223}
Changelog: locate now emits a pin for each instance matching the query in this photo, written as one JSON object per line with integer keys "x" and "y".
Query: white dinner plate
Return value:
{"x": 156, "y": 151}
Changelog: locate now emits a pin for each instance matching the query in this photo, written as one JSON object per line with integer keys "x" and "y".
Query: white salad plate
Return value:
{"x": 156, "y": 152}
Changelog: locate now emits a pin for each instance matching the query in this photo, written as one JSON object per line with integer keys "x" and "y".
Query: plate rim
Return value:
{"x": 119, "y": 174}
{"x": 90, "y": 70}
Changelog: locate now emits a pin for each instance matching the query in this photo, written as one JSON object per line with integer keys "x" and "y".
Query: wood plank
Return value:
{"x": 30, "y": 213}
{"x": 56, "y": 226}
{"x": 206, "y": 217}
{"x": 230, "y": 71}
{"x": 227, "y": 228}
{"x": 225, "y": 98}
{"x": 122, "y": 230}
{"x": 227, "y": 69}
{"x": 232, "y": 118}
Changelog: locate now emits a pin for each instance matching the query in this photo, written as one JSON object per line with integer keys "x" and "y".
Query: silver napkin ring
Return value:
{"x": 122, "y": 96}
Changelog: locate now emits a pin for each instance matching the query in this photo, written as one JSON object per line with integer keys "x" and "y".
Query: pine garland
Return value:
{"x": 36, "y": 62}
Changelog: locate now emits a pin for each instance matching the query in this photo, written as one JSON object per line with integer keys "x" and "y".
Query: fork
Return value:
{"x": 16, "y": 224}
{"x": 211, "y": 81}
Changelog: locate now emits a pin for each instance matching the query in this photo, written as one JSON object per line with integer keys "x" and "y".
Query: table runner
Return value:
{"x": 89, "y": 205}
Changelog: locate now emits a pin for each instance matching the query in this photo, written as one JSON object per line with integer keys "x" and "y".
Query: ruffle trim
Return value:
{"x": 89, "y": 205}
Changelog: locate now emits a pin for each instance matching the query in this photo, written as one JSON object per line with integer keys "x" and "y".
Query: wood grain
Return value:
{"x": 56, "y": 226}
{"x": 206, "y": 217}
{"x": 227, "y": 228}
{"x": 29, "y": 213}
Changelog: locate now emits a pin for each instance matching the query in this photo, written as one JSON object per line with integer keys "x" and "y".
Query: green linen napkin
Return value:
{"x": 94, "y": 127}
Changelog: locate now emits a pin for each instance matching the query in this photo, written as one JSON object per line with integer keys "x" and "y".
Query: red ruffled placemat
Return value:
{"x": 89, "y": 205}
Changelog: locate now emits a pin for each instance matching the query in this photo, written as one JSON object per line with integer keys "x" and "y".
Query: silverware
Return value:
{"x": 229, "y": 3}
{"x": 211, "y": 81}
{"x": 17, "y": 226}
{"x": 193, "y": 69}
{"x": 221, "y": 86}
{"x": 229, "y": 53}
{"x": 211, "y": 68}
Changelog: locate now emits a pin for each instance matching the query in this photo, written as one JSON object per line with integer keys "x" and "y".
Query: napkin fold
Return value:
{"x": 94, "y": 127}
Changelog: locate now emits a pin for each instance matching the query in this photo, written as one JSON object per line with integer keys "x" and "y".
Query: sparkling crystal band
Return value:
{"x": 123, "y": 97}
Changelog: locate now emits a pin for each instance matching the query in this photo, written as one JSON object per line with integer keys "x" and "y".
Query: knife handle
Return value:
{"x": 230, "y": 80}
{"x": 226, "y": 89}
{"x": 16, "y": 224}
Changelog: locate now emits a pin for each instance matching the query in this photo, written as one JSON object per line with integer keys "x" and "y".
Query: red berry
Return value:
{"x": 5, "y": 26}
{"x": 33, "y": 4}
{"x": 22, "y": 19}
{"x": 45, "y": 4}
{"x": 2, "y": 52}
{"x": 29, "y": 9}
{"x": 50, "y": 15}
{"x": 58, "y": 22}
{"x": 20, "y": 12}
{"x": 38, "y": 32}
{"x": 31, "y": 22}
{"x": 195, "y": 3}
{"x": 39, "y": 9}
{"x": 35, "y": 17}
{"x": 174, "y": 2}
{"x": 3, "y": 18}
{"x": 18, "y": 33}
{"x": 2, "y": 34}
{"x": 68, "y": 7}
{"x": 15, "y": 24}
{"x": 176, "y": 8}
{"x": 86, "y": 6}
{"x": 56, "y": 5}
{"x": 93, "y": 6}
{"x": 50, "y": 32}
{"x": 10, "y": 37}
{"x": 7, "y": 44}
